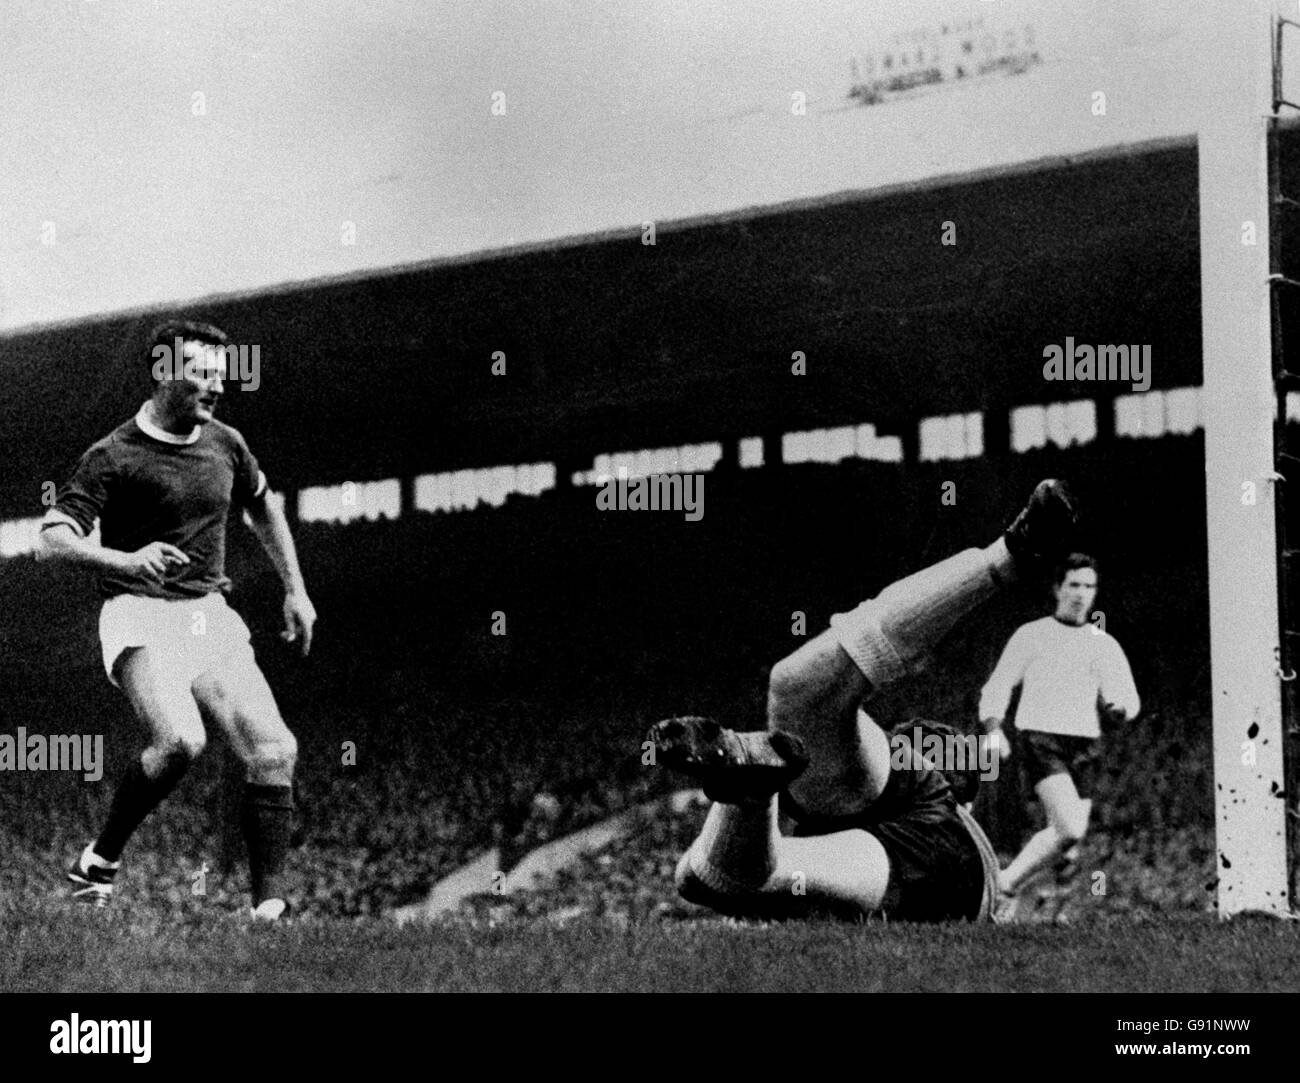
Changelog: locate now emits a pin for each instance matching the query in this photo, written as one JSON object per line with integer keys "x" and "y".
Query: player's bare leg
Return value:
{"x": 814, "y": 693}
{"x": 237, "y": 698}
{"x": 163, "y": 703}
{"x": 1067, "y": 823}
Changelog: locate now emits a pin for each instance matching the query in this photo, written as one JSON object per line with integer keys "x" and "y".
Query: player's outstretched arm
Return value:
{"x": 266, "y": 517}
{"x": 61, "y": 542}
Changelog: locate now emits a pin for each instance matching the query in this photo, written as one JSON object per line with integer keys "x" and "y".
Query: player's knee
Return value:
{"x": 273, "y": 762}
{"x": 788, "y": 688}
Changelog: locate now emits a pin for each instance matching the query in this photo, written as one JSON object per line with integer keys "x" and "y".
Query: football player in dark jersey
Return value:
{"x": 161, "y": 486}
{"x": 880, "y": 827}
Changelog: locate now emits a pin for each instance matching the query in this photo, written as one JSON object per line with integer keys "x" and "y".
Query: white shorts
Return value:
{"x": 188, "y": 636}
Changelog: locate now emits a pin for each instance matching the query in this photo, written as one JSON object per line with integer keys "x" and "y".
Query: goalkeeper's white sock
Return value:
{"x": 735, "y": 850}
{"x": 918, "y": 611}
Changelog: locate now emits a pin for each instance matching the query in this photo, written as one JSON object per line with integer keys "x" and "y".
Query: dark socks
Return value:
{"x": 137, "y": 795}
{"x": 268, "y": 822}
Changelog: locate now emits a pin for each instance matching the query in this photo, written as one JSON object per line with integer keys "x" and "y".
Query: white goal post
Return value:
{"x": 1234, "y": 50}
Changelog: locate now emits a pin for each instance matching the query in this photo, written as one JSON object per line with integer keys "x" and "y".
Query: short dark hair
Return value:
{"x": 166, "y": 334}
{"x": 1073, "y": 563}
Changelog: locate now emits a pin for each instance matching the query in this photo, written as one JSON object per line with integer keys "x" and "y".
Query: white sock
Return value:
{"x": 735, "y": 849}
{"x": 921, "y": 609}
{"x": 1000, "y": 561}
{"x": 89, "y": 857}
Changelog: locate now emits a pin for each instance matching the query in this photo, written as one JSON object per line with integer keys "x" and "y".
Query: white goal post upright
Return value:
{"x": 1234, "y": 72}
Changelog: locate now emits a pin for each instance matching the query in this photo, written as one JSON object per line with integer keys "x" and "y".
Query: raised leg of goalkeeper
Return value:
{"x": 815, "y": 694}
{"x": 816, "y": 691}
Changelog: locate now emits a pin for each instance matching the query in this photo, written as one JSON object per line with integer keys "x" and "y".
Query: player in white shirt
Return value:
{"x": 1070, "y": 672}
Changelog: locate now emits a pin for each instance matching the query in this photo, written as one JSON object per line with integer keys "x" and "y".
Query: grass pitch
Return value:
{"x": 119, "y": 951}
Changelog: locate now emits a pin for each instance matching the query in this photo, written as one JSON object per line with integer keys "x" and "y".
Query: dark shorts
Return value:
{"x": 936, "y": 872}
{"x": 1054, "y": 754}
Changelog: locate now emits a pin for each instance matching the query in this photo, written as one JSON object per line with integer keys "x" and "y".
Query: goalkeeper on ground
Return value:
{"x": 872, "y": 835}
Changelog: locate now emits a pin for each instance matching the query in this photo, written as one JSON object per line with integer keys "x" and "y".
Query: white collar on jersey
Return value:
{"x": 144, "y": 419}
